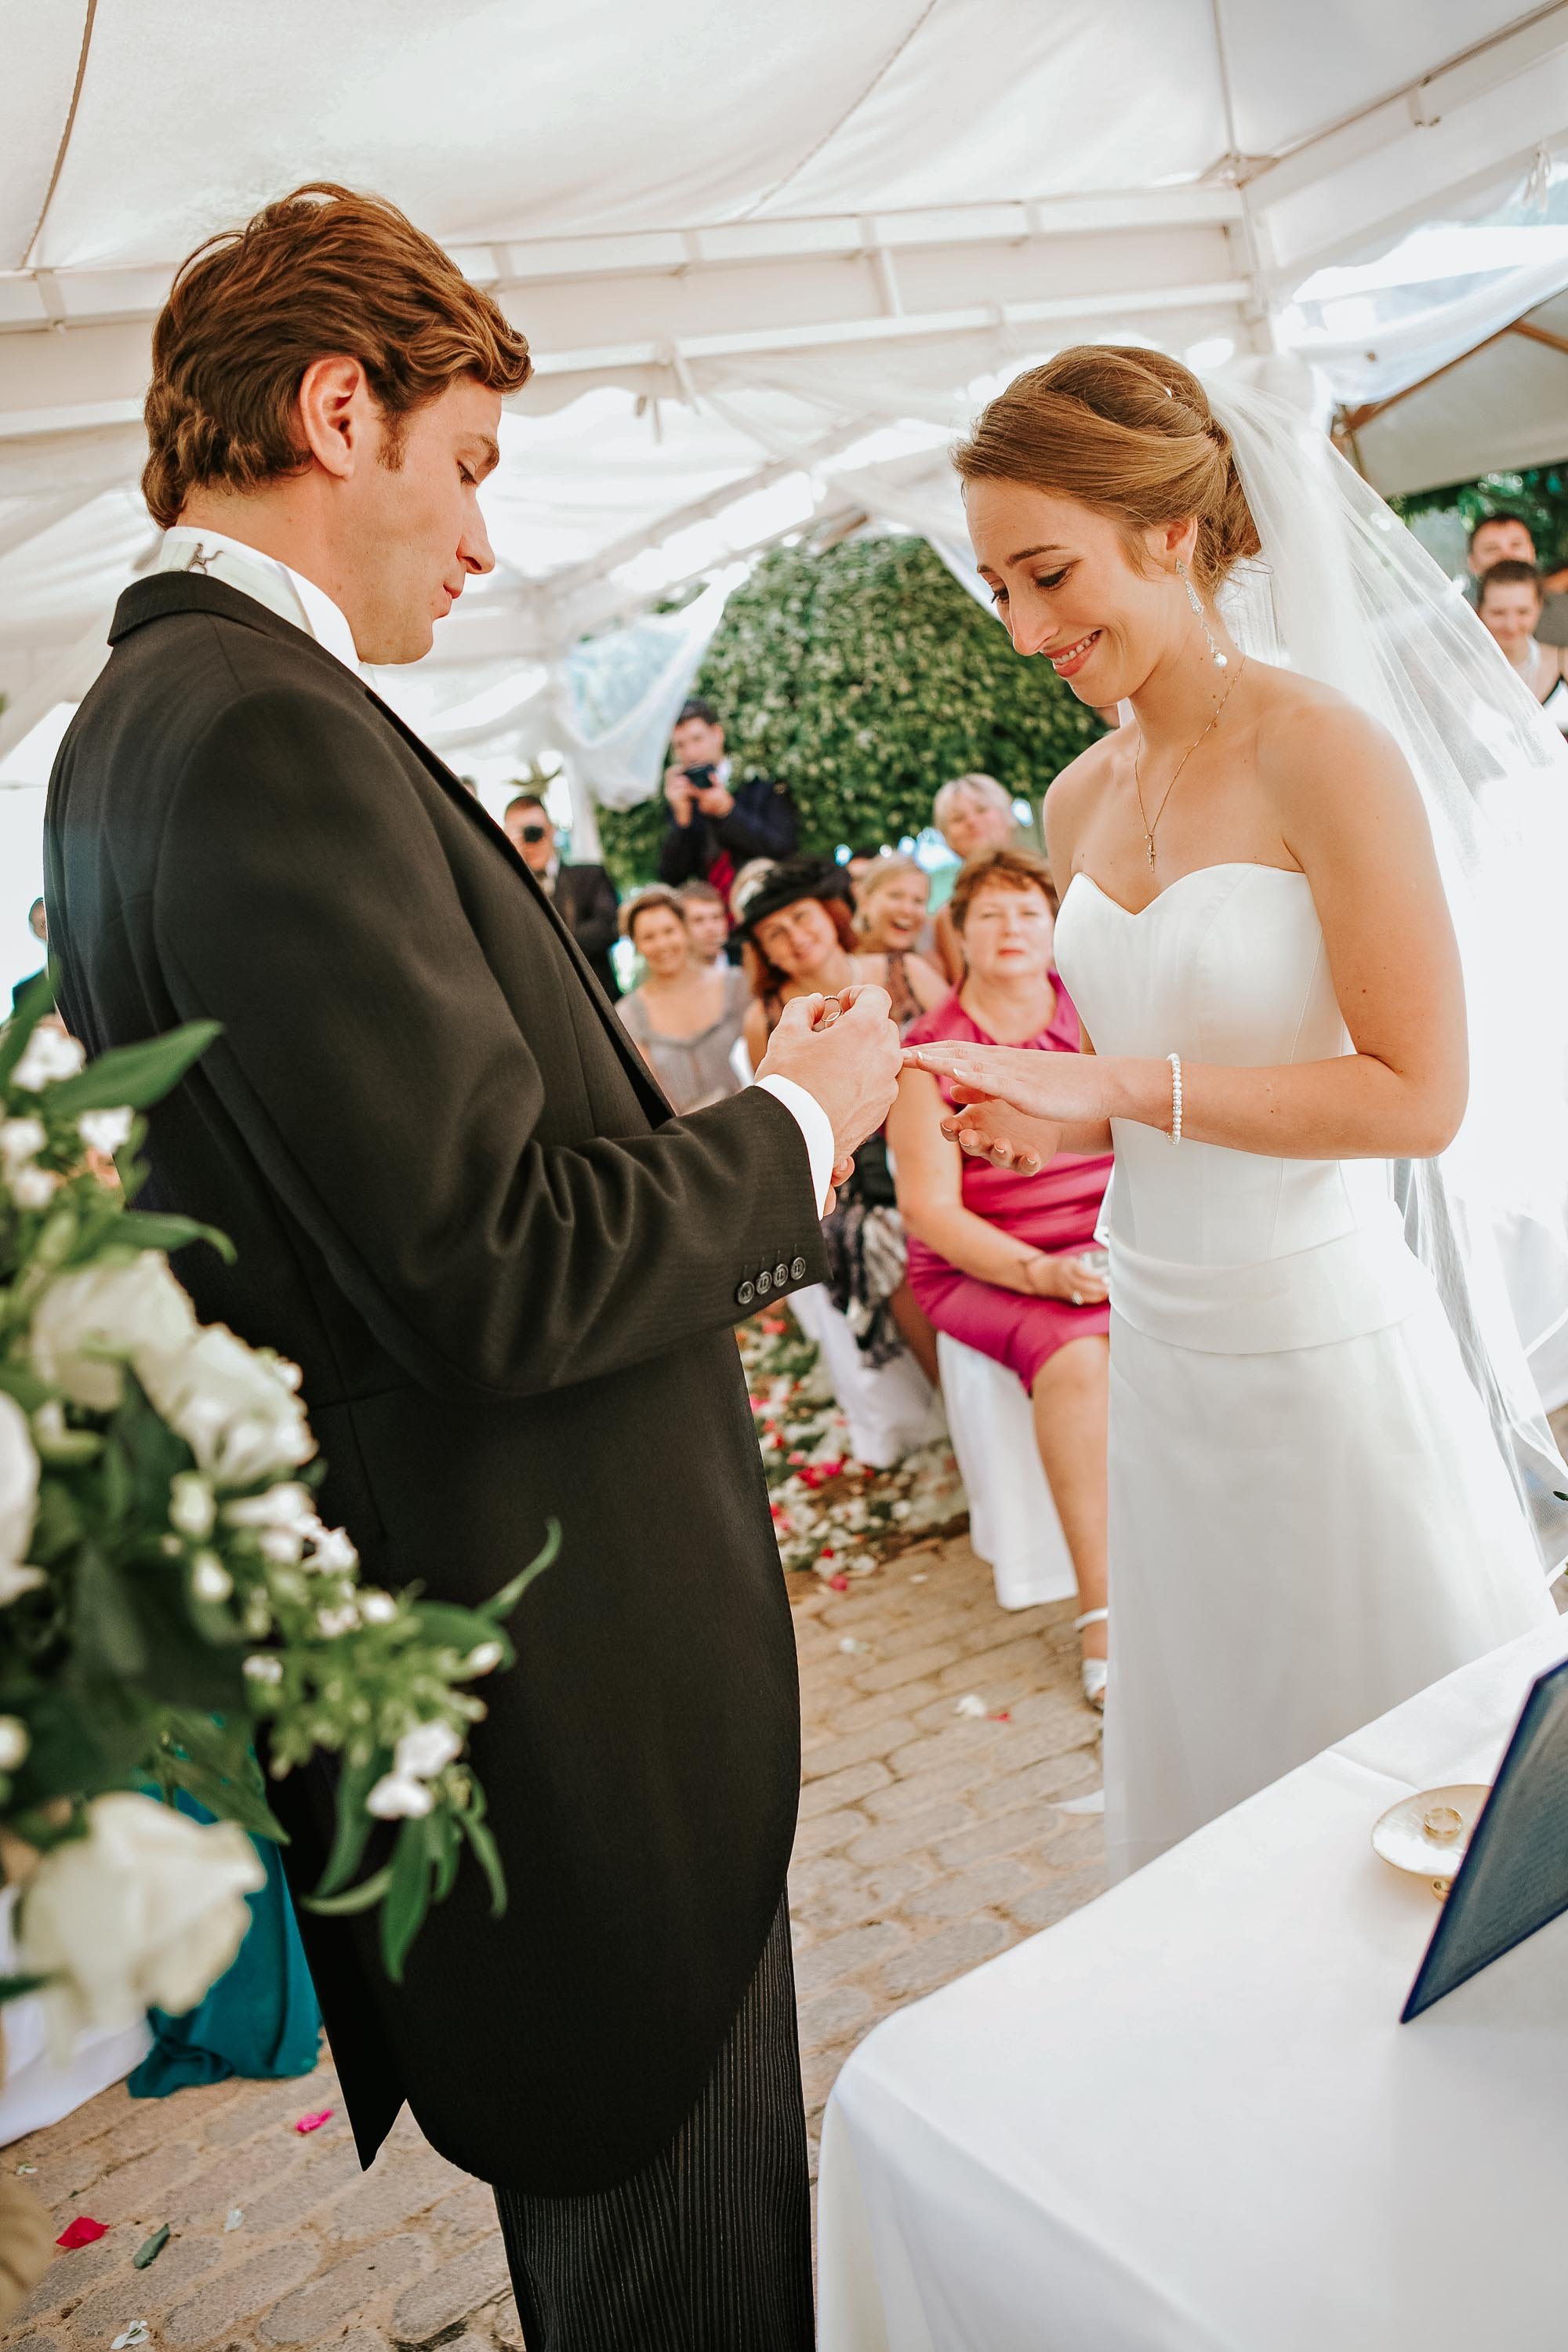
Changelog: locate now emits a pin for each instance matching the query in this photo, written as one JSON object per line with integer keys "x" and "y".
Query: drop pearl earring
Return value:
{"x": 1220, "y": 661}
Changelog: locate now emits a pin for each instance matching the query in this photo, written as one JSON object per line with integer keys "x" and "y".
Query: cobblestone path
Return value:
{"x": 930, "y": 1840}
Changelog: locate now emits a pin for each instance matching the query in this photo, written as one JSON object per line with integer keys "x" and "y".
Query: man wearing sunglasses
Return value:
{"x": 585, "y": 896}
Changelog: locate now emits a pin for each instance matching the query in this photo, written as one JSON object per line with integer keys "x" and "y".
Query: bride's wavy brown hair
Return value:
{"x": 1127, "y": 430}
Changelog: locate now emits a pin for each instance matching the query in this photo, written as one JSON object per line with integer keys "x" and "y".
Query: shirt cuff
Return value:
{"x": 814, "y": 1125}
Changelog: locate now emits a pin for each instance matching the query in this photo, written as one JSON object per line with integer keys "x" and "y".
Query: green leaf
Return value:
{"x": 500, "y": 1604}
{"x": 447, "y": 1841}
{"x": 35, "y": 1000}
{"x": 134, "y": 1076}
{"x": 29, "y": 1391}
{"x": 407, "y": 1897}
{"x": 362, "y": 1897}
{"x": 108, "y": 1634}
{"x": 207, "y": 1766}
{"x": 486, "y": 1849}
{"x": 354, "y": 1824}
{"x": 143, "y": 1230}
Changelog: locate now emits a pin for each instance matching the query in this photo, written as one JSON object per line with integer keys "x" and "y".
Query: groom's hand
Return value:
{"x": 851, "y": 1063}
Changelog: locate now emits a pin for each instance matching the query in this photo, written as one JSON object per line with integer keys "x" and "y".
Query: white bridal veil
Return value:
{"x": 1342, "y": 591}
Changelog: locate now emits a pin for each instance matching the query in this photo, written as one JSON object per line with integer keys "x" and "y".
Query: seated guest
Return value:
{"x": 972, "y": 813}
{"x": 800, "y": 940}
{"x": 716, "y": 822}
{"x": 1505, "y": 538}
{"x": 1509, "y": 601}
{"x": 585, "y": 896}
{"x": 892, "y": 899}
{"x": 998, "y": 1260}
{"x": 708, "y": 921}
{"x": 685, "y": 1015}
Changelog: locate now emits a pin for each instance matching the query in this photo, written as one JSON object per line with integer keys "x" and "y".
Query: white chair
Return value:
{"x": 1013, "y": 1521}
{"x": 890, "y": 1408}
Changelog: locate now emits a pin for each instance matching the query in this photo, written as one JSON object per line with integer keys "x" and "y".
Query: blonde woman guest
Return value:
{"x": 972, "y": 813}
{"x": 686, "y": 1016}
{"x": 996, "y": 1259}
{"x": 892, "y": 903}
{"x": 800, "y": 940}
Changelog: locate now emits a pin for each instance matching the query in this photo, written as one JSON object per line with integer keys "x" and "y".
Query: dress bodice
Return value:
{"x": 1228, "y": 965}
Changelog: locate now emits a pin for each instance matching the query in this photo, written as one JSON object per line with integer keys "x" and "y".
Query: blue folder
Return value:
{"x": 1514, "y": 1876}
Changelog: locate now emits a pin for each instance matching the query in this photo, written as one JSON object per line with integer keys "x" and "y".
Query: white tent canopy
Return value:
{"x": 765, "y": 259}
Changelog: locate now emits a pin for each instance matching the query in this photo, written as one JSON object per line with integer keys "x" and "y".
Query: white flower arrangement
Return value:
{"x": 168, "y": 1594}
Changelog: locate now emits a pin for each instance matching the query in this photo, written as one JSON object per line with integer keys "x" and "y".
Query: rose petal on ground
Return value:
{"x": 970, "y": 1704}
{"x": 148, "y": 2251}
{"x": 81, "y": 2233}
{"x": 235, "y": 2216}
{"x": 137, "y": 2332}
{"x": 313, "y": 2122}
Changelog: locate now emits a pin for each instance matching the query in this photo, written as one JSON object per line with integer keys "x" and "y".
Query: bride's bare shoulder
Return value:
{"x": 1316, "y": 749}
{"x": 1079, "y": 783}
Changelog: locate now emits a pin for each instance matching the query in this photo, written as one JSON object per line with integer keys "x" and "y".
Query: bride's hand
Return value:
{"x": 1069, "y": 1089}
{"x": 990, "y": 1130}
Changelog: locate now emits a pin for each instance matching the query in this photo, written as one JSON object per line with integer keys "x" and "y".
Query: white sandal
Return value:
{"x": 1093, "y": 1670}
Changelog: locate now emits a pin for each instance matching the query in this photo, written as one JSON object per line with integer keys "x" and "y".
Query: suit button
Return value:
{"x": 797, "y": 1271}
{"x": 764, "y": 1283}
{"x": 780, "y": 1274}
{"x": 746, "y": 1292}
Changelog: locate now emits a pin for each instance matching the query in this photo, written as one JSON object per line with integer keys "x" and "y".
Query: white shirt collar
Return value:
{"x": 272, "y": 582}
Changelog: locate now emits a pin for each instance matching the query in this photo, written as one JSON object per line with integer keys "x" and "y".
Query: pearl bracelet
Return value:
{"x": 1175, "y": 1062}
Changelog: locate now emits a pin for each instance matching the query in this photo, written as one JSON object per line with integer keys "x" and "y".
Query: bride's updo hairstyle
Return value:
{"x": 1124, "y": 430}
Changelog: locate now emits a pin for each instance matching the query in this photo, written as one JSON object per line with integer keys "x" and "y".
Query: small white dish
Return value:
{"x": 1427, "y": 1834}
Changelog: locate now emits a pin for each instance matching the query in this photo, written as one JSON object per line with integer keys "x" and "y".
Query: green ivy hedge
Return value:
{"x": 865, "y": 678}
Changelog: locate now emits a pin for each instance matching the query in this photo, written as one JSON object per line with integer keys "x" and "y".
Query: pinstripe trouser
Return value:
{"x": 708, "y": 2249}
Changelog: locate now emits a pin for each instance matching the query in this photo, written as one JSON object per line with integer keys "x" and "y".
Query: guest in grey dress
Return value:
{"x": 685, "y": 1016}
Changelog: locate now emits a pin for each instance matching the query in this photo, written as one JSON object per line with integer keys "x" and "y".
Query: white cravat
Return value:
{"x": 289, "y": 594}
{"x": 215, "y": 556}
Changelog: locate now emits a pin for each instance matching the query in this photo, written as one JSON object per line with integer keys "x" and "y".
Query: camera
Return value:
{"x": 700, "y": 778}
{"x": 535, "y": 833}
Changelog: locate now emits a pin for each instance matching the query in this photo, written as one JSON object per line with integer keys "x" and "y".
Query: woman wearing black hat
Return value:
{"x": 797, "y": 922}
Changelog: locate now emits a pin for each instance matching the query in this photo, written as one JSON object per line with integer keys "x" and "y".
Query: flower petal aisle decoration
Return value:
{"x": 832, "y": 1514}
{"x": 170, "y": 1602}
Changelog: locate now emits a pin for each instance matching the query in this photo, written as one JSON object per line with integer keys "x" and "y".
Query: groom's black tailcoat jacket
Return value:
{"x": 510, "y": 1274}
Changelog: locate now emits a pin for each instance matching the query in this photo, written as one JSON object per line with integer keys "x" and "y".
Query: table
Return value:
{"x": 1186, "y": 2118}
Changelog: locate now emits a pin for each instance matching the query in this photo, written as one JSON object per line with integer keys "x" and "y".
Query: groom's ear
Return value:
{"x": 340, "y": 421}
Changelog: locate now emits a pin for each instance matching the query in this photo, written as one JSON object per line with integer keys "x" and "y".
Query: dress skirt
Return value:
{"x": 1301, "y": 1535}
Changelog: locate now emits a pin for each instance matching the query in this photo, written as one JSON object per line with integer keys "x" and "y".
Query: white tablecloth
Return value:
{"x": 1188, "y": 2118}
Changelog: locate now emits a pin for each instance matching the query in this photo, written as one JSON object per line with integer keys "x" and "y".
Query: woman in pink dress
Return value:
{"x": 998, "y": 1260}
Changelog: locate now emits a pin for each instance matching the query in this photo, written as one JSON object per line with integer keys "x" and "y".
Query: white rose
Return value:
{"x": 376, "y": 1608}
{"x": 105, "y": 1130}
{"x": 34, "y": 1188}
{"x": 21, "y": 1139}
{"x": 332, "y": 1553}
{"x": 426, "y": 1750}
{"x": 18, "y": 1500}
{"x": 50, "y": 1055}
{"x": 146, "y": 1911}
{"x": 234, "y": 1406}
{"x": 397, "y": 1797}
{"x": 85, "y": 1324}
{"x": 286, "y": 1506}
{"x": 191, "y": 1505}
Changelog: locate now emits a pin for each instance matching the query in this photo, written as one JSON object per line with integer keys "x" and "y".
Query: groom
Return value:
{"x": 510, "y": 1274}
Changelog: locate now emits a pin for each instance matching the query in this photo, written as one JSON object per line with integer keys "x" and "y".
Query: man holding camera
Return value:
{"x": 585, "y": 896}
{"x": 715, "y": 825}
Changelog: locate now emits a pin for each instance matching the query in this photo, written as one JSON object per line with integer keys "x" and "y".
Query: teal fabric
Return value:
{"x": 259, "y": 2019}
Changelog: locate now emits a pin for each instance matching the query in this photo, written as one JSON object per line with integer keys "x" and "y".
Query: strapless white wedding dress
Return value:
{"x": 1310, "y": 1519}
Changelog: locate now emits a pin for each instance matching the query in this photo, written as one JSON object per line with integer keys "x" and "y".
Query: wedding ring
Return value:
{"x": 1442, "y": 1825}
{"x": 1077, "y": 1297}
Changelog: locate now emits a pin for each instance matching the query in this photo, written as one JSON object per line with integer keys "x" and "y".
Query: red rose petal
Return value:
{"x": 839, "y": 1584}
{"x": 81, "y": 2231}
{"x": 313, "y": 2122}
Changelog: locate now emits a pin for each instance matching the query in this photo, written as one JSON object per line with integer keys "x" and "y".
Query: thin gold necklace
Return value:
{"x": 1149, "y": 830}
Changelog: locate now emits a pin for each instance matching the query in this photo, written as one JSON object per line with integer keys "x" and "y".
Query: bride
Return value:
{"x": 1311, "y": 1512}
